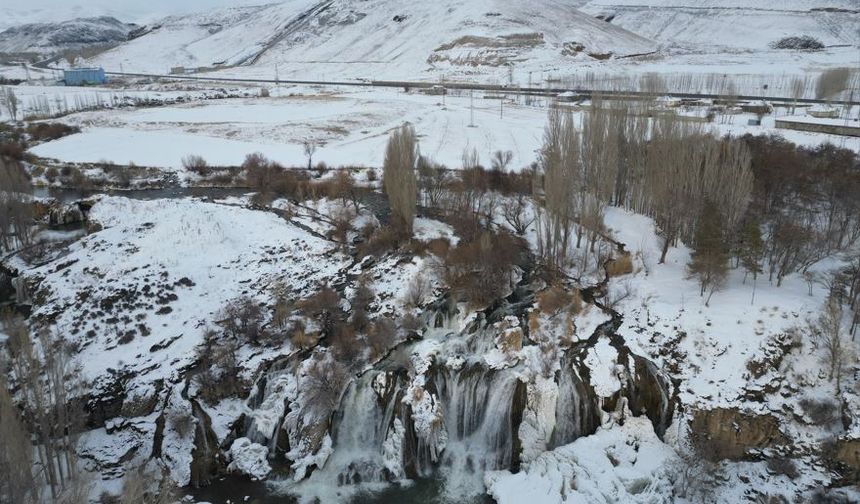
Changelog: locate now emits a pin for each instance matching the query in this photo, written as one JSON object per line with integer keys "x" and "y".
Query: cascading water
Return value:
{"x": 368, "y": 440}
{"x": 363, "y": 425}
{"x": 268, "y": 405}
{"x": 478, "y": 405}
{"x": 577, "y": 409}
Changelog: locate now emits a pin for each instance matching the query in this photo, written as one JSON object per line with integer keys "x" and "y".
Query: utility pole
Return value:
{"x": 471, "y": 108}
{"x": 528, "y": 93}
{"x": 502, "y": 107}
{"x": 276, "y": 74}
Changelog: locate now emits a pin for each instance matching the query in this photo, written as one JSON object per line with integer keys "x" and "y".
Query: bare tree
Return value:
{"x": 830, "y": 335}
{"x": 398, "y": 178}
{"x": 45, "y": 381}
{"x": 501, "y": 160}
{"x": 11, "y": 101}
{"x": 516, "y": 214}
{"x": 559, "y": 159}
{"x": 17, "y": 482}
{"x": 322, "y": 384}
{"x": 16, "y": 213}
{"x": 309, "y": 147}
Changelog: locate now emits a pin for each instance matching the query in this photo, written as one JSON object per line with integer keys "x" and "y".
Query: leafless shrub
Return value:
{"x": 515, "y": 213}
{"x": 324, "y": 306}
{"x": 323, "y": 384}
{"x": 383, "y": 240}
{"x": 411, "y": 323}
{"x": 196, "y": 164}
{"x": 696, "y": 476}
{"x": 138, "y": 488}
{"x": 243, "y": 319}
{"x": 417, "y": 291}
{"x": 381, "y": 336}
{"x": 624, "y": 290}
{"x": 341, "y": 218}
{"x": 479, "y": 270}
{"x": 50, "y": 131}
{"x": 299, "y": 336}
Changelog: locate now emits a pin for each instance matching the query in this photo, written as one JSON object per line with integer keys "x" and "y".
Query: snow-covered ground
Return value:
{"x": 169, "y": 266}
{"x": 351, "y": 129}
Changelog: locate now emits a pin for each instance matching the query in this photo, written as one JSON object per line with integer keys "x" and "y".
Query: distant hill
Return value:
{"x": 49, "y": 38}
{"x": 381, "y": 38}
{"x": 717, "y": 25}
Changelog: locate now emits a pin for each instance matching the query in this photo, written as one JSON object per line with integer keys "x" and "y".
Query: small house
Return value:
{"x": 757, "y": 107}
{"x": 84, "y": 76}
{"x": 436, "y": 90}
{"x": 823, "y": 112}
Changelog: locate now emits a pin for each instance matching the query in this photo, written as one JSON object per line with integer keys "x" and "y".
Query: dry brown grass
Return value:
{"x": 556, "y": 298}
{"x": 621, "y": 265}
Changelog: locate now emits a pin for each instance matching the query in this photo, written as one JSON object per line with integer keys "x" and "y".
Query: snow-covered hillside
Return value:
{"x": 46, "y": 38}
{"x": 715, "y": 25}
{"x": 380, "y": 38}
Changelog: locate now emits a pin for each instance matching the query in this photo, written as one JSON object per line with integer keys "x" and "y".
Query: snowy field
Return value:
{"x": 350, "y": 128}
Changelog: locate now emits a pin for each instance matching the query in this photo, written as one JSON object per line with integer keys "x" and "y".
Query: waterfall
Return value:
{"x": 361, "y": 429}
{"x": 22, "y": 296}
{"x": 269, "y": 405}
{"x": 478, "y": 408}
{"x": 368, "y": 439}
{"x": 577, "y": 410}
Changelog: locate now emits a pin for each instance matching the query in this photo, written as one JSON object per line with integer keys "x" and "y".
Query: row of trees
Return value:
{"x": 40, "y": 372}
{"x": 663, "y": 168}
{"x": 16, "y": 213}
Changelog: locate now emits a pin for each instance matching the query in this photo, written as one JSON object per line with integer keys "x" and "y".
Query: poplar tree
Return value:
{"x": 398, "y": 177}
{"x": 710, "y": 257}
{"x": 751, "y": 250}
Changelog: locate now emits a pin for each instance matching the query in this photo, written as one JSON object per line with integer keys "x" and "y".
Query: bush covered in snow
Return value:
{"x": 801, "y": 43}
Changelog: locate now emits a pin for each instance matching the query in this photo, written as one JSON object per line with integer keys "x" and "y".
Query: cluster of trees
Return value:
{"x": 41, "y": 420}
{"x": 826, "y": 85}
{"x": 668, "y": 169}
{"x": 16, "y": 212}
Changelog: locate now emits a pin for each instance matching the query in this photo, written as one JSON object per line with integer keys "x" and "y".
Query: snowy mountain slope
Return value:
{"x": 45, "y": 38}
{"x": 381, "y": 37}
{"x": 19, "y": 12}
{"x": 732, "y": 24}
{"x": 226, "y": 36}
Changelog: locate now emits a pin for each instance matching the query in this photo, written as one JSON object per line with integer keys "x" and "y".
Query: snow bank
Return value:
{"x": 249, "y": 458}
{"x": 619, "y": 463}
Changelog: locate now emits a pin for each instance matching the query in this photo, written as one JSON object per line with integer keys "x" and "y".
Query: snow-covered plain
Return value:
{"x": 350, "y": 128}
